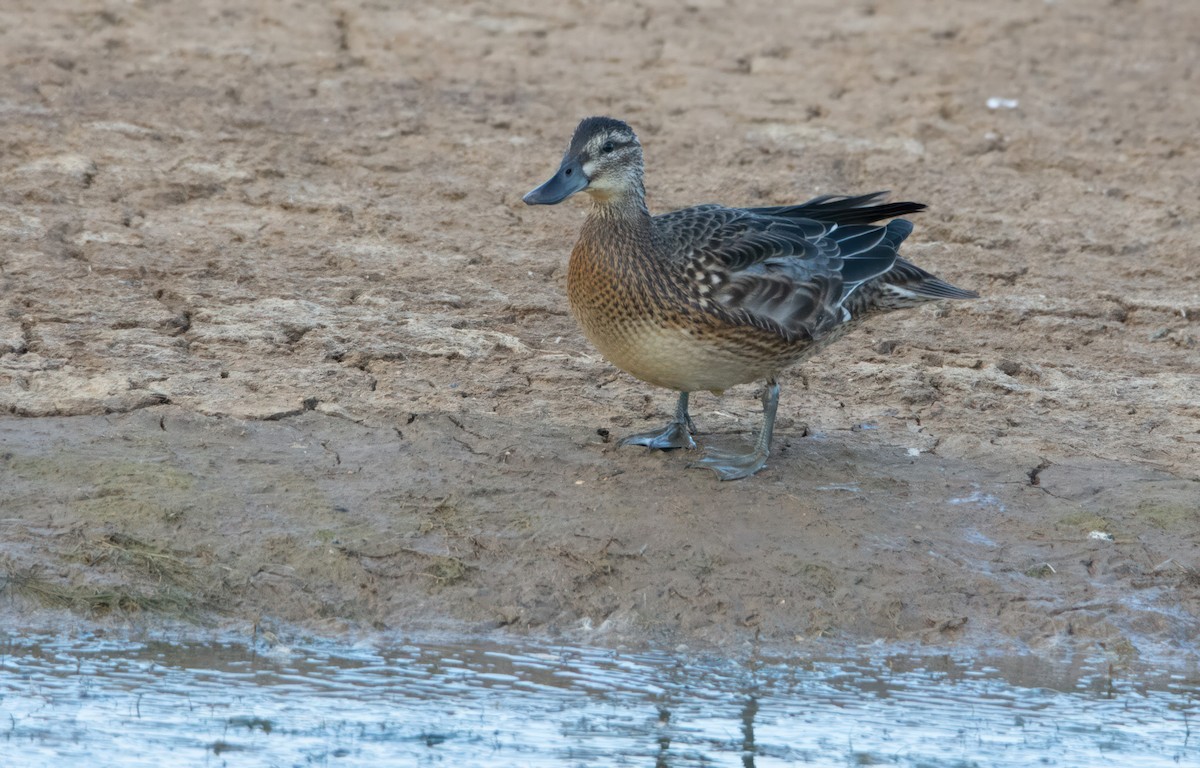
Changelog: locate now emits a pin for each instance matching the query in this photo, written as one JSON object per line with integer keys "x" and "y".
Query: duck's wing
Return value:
{"x": 786, "y": 274}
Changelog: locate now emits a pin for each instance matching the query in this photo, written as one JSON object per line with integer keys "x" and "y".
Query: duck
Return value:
{"x": 710, "y": 297}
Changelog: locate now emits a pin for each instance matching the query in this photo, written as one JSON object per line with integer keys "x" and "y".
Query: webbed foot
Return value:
{"x": 730, "y": 465}
{"x": 674, "y": 435}
{"x": 735, "y": 466}
{"x": 677, "y": 434}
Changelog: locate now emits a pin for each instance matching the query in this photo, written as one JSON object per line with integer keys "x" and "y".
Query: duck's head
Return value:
{"x": 604, "y": 160}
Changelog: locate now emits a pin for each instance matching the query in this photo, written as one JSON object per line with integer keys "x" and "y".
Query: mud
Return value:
{"x": 279, "y": 341}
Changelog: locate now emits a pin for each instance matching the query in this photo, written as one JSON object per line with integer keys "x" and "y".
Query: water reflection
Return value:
{"x": 94, "y": 701}
{"x": 748, "y": 713}
{"x": 664, "y": 741}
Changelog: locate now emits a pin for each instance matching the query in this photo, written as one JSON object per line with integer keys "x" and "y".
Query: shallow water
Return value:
{"x": 96, "y": 702}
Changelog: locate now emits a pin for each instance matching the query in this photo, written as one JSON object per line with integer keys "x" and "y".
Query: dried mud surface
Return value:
{"x": 279, "y": 341}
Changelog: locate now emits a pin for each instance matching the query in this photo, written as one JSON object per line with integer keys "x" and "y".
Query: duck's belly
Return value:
{"x": 691, "y": 360}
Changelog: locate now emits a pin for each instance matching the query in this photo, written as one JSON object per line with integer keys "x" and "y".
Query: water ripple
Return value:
{"x": 152, "y": 704}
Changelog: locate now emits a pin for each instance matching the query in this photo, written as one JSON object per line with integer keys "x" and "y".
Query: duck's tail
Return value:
{"x": 906, "y": 284}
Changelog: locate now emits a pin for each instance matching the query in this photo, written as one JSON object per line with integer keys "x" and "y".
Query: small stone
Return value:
{"x": 1008, "y": 367}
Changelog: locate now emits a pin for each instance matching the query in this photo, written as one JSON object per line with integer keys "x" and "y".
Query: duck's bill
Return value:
{"x": 569, "y": 180}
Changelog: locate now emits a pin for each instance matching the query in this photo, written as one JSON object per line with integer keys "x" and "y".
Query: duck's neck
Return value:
{"x": 617, "y": 232}
{"x": 623, "y": 226}
{"x": 624, "y": 209}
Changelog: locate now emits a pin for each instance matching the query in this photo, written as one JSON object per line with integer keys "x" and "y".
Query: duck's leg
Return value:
{"x": 734, "y": 466}
{"x": 677, "y": 434}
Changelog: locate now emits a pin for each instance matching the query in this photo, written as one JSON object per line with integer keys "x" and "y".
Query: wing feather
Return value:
{"x": 789, "y": 274}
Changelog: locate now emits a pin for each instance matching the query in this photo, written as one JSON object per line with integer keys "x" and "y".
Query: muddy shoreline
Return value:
{"x": 162, "y": 513}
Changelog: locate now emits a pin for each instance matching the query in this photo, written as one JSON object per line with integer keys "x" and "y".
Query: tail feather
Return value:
{"x": 908, "y": 279}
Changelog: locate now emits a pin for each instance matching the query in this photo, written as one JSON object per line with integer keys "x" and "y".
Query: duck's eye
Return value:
{"x": 608, "y": 147}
